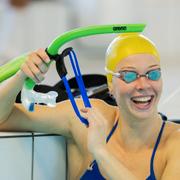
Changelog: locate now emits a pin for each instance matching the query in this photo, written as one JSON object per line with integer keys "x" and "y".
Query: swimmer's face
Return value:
{"x": 140, "y": 97}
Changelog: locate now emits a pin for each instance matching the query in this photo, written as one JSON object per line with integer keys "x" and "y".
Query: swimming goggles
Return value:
{"x": 130, "y": 76}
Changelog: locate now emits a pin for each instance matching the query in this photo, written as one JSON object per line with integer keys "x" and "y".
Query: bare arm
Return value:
{"x": 44, "y": 119}
{"x": 8, "y": 92}
{"x": 15, "y": 117}
{"x": 34, "y": 67}
{"x": 172, "y": 169}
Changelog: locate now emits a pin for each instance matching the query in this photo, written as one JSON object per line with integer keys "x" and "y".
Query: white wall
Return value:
{"x": 163, "y": 25}
{"x": 42, "y": 21}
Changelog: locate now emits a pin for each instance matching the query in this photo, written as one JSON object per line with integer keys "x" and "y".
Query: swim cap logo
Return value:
{"x": 119, "y": 28}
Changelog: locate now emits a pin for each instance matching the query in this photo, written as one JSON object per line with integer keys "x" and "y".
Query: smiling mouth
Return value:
{"x": 142, "y": 102}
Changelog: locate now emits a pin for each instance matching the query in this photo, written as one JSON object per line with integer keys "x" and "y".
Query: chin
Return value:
{"x": 143, "y": 114}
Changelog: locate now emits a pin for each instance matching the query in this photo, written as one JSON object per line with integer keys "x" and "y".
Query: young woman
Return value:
{"x": 128, "y": 142}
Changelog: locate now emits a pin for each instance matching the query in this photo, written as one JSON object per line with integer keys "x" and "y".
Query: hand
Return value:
{"x": 97, "y": 130}
{"x": 36, "y": 66}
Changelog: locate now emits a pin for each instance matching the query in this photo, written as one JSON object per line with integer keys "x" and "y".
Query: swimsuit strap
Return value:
{"x": 152, "y": 174}
{"x": 112, "y": 131}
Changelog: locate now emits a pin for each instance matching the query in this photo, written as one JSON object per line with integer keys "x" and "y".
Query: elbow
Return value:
{"x": 5, "y": 116}
{"x": 2, "y": 120}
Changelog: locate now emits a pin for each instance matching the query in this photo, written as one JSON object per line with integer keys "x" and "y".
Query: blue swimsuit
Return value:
{"x": 95, "y": 174}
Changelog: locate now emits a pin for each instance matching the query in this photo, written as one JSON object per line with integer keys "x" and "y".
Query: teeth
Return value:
{"x": 142, "y": 99}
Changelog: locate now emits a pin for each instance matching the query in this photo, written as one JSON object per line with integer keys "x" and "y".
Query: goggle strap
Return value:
{"x": 111, "y": 72}
{"x": 72, "y": 100}
{"x": 80, "y": 82}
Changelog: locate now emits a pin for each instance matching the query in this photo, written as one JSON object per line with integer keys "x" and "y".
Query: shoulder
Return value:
{"x": 102, "y": 105}
{"x": 173, "y": 137}
{"x": 173, "y": 130}
{"x": 78, "y": 130}
{"x": 172, "y": 149}
{"x": 107, "y": 110}
{"x": 99, "y": 104}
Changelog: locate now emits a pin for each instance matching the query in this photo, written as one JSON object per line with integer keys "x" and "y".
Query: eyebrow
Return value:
{"x": 154, "y": 65}
{"x": 131, "y": 67}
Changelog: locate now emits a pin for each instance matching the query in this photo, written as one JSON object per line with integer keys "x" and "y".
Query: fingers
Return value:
{"x": 84, "y": 113}
{"x": 28, "y": 72}
{"x": 35, "y": 62}
{"x": 94, "y": 117}
{"x": 88, "y": 113}
{"x": 84, "y": 110}
{"x": 36, "y": 65}
{"x": 43, "y": 55}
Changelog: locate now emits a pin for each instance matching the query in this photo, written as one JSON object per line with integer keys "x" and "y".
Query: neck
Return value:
{"x": 137, "y": 134}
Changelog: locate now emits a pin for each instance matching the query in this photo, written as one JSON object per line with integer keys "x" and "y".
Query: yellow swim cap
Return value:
{"x": 127, "y": 44}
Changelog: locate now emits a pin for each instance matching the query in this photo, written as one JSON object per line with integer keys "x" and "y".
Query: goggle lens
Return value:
{"x": 154, "y": 75}
{"x": 129, "y": 76}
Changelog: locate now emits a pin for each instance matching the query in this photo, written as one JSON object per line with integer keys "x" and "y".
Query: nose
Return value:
{"x": 142, "y": 83}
